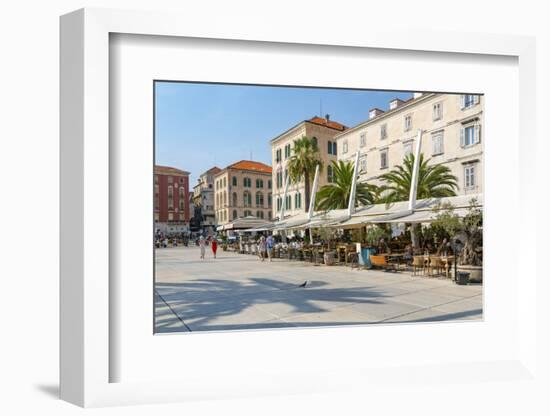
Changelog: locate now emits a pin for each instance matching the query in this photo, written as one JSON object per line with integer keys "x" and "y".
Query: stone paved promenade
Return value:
{"x": 237, "y": 291}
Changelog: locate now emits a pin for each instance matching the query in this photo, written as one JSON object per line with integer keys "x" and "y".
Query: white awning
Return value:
{"x": 398, "y": 212}
{"x": 417, "y": 216}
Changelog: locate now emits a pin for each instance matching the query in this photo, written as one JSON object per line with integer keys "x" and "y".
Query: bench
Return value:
{"x": 381, "y": 261}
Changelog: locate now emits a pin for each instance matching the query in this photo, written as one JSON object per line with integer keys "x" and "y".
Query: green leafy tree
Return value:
{"x": 468, "y": 229}
{"x": 305, "y": 158}
{"x": 434, "y": 181}
{"x": 336, "y": 195}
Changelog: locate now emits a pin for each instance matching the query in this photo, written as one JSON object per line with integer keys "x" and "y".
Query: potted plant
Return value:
{"x": 467, "y": 233}
{"x": 224, "y": 242}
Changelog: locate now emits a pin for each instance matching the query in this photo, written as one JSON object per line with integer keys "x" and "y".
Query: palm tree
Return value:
{"x": 336, "y": 195}
{"x": 305, "y": 158}
{"x": 434, "y": 181}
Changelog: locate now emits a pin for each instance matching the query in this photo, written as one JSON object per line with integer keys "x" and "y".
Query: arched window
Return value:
{"x": 247, "y": 182}
{"x": 224, "y": 198}
{"x": 298, "y": 200}
{"x": 247, "y": 198}
{"x": 234, "y": 181}
{"x": 314, "y": 141}
{"x": 235, "y": 203}
{"x": 259, "y": 199}
{"x": 330, "y": 174}
{"x": 234, "y": 214}
{"x": 288, "y": 203}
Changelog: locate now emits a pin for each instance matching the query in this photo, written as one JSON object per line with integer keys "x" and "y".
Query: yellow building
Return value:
{"x": 452, "y": 135}
{"x": 243, "y": 189}
{"x": 318, "y": 129}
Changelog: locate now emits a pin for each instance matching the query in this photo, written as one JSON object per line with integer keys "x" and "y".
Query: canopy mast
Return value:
{"x": 312, "y": 199}
{"x": 351, "y": 203}
{"x": 416, "y": 168}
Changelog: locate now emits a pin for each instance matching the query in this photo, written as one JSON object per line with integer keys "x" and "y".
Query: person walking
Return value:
{"x": 262, "y": 248}
{"x": 269, "y": 246}
{"x": 214, "y": 246}
{"x": 202, "y": 245}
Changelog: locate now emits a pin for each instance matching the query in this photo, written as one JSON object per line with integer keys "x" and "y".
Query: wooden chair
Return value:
{"x": 435, "y": 265}
{"x": 418, "y": 263}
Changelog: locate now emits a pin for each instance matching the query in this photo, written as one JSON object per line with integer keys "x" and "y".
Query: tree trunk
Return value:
{"x": 414, "y": 236}
{"x": 306, "y": 190}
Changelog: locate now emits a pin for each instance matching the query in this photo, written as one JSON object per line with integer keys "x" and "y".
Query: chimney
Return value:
{"x": 396, "y": 102}
{"x": 374, "y": 112}
{"x": 327, "y": 117}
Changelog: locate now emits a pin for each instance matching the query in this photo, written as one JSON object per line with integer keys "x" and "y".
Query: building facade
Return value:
{"x": 452, "y": 128}
{"x": 243, "y": 189}
{"x": 323, "y": 132}
{"x": 171, "y": 199}
{"x": 203, "y": 200}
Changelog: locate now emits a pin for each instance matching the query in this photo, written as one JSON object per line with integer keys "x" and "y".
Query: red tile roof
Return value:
{"x": 251, "y": 165}
{"x": 167, "y": 170}
{"x": 323, "y": 122}
{"x": 215, "y": 170}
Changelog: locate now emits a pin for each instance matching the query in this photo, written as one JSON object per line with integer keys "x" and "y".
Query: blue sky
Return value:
{"x": 202, "y": 125}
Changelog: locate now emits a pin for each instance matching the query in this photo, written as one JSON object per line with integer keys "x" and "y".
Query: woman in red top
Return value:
{"x": 214, "y": 246}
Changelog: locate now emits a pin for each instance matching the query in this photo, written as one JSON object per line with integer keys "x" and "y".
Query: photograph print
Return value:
{"x": 279, "y": 207}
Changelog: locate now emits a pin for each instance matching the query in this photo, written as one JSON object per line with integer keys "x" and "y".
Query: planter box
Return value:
{"x": 476, "y": 272}
{"x": 330, "y": 258}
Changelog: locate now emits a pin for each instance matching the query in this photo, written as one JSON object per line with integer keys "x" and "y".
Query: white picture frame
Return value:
{"x": 87, "y": 356}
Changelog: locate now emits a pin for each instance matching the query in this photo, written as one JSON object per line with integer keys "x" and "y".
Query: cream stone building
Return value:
{"x": 321, "y": 130}
{"x": 243, "y": 189}
{"x": 452, "y": 128}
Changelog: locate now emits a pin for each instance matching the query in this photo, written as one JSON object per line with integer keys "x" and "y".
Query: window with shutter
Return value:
{"x": 468, "y": 135}
{"x": 384, "y": 159}
{"x": 437, "y": 143}
{"x": 383, "y": 131}
{"x": 407, "y": 148}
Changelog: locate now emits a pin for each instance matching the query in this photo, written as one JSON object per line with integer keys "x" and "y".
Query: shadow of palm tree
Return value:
{"x": 204, "y": 300}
